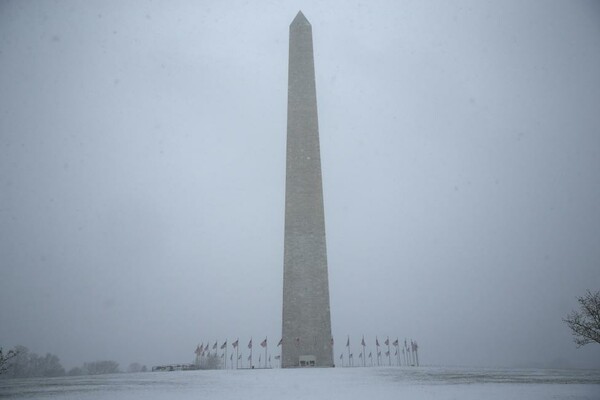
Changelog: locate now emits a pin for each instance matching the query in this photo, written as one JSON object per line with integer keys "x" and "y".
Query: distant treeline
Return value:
{"x": 29, "y": 365}
{"x": 26, "y": 364}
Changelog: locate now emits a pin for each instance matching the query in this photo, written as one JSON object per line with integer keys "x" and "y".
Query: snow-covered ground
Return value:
{"x": 338, "y": 383}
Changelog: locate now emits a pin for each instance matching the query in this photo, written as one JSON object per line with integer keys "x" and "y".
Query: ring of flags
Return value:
{"x": 404, "y": 354}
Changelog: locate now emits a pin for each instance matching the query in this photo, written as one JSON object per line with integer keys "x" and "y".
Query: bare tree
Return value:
{"x": 20, "y": 363}
{"x": 5, "y": 358}
{"x": 585, "y": 323}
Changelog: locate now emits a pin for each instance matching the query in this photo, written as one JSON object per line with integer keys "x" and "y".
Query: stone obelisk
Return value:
{"x": 306, "y": 338}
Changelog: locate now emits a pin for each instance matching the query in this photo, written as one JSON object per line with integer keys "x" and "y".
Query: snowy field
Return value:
{"x": 338, "y": 383}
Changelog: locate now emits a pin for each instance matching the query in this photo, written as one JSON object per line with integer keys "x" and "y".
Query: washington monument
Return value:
{"x": 306, "y": 338}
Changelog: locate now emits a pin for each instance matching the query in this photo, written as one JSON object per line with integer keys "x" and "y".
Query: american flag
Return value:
{"x": 250, "y": 343}
{"x": 235, "y": 344}
{"x": 264, "y": 343}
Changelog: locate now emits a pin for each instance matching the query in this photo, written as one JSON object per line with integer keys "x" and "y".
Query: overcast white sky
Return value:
{"x": 142, "y": 174}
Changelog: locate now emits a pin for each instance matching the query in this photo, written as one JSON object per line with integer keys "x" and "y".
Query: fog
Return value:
{"x": 142, "y": 175}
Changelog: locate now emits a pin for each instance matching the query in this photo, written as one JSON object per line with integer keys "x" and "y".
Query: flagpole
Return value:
{"x": 279, "y": 344}
{"x": 417, "y": 353}
{"x": 377, "y": 349}
{"x": 416, "y": 356}
{"x": 403, "y": 357}
{"x": 389, "y": 354}
{"x": 348, "y": 346}
{"x": 364, "y": 355}
{"x": 363, "y": 346}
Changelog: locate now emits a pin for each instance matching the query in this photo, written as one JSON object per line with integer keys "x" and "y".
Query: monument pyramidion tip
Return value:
{"x": 300, "y": 20}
